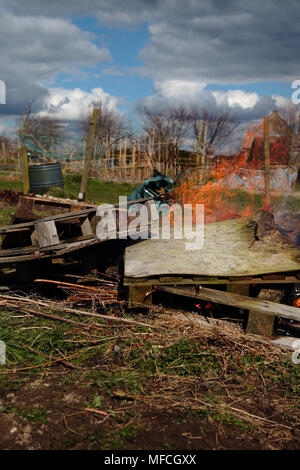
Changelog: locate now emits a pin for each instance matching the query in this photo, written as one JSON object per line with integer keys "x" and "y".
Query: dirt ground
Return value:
{"x": 167, "y": 387}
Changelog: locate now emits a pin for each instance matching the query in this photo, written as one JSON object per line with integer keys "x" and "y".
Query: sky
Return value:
{"x": 61, "y": 56}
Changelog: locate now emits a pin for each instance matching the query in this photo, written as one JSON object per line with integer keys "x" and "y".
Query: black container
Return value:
{"x": 42, "y": 177}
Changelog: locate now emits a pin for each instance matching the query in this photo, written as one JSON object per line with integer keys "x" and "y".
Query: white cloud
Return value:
{"x": 204, "y": 41}
{"x": 71, "y": 105}
{"x": 234, "y": 98}
{"x": 35, "y": 50}
{"x": 246, "y": 106}
{"x": 282, "y": 101}
{"x": 178, "y": 88}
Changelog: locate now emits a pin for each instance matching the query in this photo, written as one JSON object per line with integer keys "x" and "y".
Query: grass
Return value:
{"x": 134, "y": 374}
{"x": 98, "y": 192}
{"x": 35, "y": 415}
{"x": 133, "y": 371}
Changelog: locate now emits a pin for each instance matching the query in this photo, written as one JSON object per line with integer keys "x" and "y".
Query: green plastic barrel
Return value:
{"x": 42, "y": 177}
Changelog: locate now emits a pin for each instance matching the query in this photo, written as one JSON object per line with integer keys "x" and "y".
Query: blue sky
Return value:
{"x": 238, "y": 55}
{"x": 119, "y": 77}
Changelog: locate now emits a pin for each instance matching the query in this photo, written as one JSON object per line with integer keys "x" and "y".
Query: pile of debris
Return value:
{"x": 9, "y": 196}
{"x": 103, "y": 291}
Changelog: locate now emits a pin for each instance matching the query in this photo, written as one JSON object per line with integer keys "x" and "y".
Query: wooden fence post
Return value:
{"x": 267, "y": 162}
{"x": 87, "y": 156}
{"x": 204, "y": 144}
{"x": 199, "y": 141}
{"x": 25, "y": 168}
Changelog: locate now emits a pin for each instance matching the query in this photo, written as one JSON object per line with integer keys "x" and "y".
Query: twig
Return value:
{"x": 76, "y": 312}
{"x": 49, "y": 363}
{"x": 99, "y": 412}
{"x": 242, "y": 412}
{"x": 61, "y": 360}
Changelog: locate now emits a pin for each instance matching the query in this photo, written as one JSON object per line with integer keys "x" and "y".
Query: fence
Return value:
{"x": 127, "y": 159}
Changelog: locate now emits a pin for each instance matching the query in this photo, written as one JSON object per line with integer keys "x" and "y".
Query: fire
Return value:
{"x": 220, "y": 194}
{"x": 296, "y": 303}
{"x": 219, "y": 200}
{"x": 208, "y": 305}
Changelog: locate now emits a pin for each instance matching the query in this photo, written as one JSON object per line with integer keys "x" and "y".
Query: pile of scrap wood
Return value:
{"x": 104, "y": 290}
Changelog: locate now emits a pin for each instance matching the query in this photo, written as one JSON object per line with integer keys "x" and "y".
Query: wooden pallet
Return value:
{"x": 46, "y": 240}
{"x": 262, "y": 310}
{"x": 139, "y": 288}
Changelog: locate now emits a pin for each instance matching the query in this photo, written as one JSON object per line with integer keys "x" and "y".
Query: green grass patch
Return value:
{"x": 35, "y": 415}
{"x": 98, "y": 192}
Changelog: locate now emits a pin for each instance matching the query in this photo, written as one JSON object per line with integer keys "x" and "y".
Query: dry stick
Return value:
{"x": 76, "y": 286}
{"x": 49, "y": 363}
{"x": 99, "y": 412}
{"x": 78, "y": 312}
{"x": 55, "y": 317}
{"x": 243, "y": 412}
{"x": 62, "y": 360}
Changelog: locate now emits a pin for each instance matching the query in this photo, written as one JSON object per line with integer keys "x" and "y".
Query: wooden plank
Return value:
{"x": 237, "y": 288}
{"x": 18, "y": 251}
{"x": 226, "y": 252}
{"x": 170, "y": 279}
{"x": 260, "y": 323}
{"x": 138, "y": 296}
{"x": 46, "y": 233}
{"x": 70, "y": 247}
{"x": 17, "y": 259}
{"x": 66, "y": 216}
{"x": 58, "y": 202}
{"x": 239, "y": 301}
{"x": 86, "y": 227}
{"x": 147, "y": 280}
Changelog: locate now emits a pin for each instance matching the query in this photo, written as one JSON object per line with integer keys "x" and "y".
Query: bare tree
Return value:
{"x": 166, "y": 131}
{"x": 110, "y": 124}
{"x": 289, "y": 123}
{"x": 33, "y": 124}
{"x": 39, "y": 132}
{"x": 221, "y": 123}
{"x": 285, "y": 123}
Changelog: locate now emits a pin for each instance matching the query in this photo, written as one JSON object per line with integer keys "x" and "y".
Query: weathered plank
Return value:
{"x": 239, "y": 301}
{"x": 60, "y": 217}
{"x": 86, "y": 228}
{"x": 196, "y": 280}
{"x": 139, "y": 296}
{"x": 226, "y": 252}
{"x": 260, "y": 323}
{"x": 46, "y": 233}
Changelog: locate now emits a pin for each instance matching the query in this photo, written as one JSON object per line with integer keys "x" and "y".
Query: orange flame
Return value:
{"x": 296, "y": 303}
{"x": 219, "y": 194}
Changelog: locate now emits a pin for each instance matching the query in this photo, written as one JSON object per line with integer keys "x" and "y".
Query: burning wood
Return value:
{"x": 264, "y": 227}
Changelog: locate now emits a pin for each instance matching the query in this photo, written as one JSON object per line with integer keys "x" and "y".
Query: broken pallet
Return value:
{"x": 261, "y": 307}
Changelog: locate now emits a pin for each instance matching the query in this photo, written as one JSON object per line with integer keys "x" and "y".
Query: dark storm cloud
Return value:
{"x": 34, "y": 50}
{"x": 213, "y": 41}
{"x": 205, "y": 41}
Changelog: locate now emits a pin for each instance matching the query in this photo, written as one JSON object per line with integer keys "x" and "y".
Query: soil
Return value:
{"x": 160, "y": 420}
